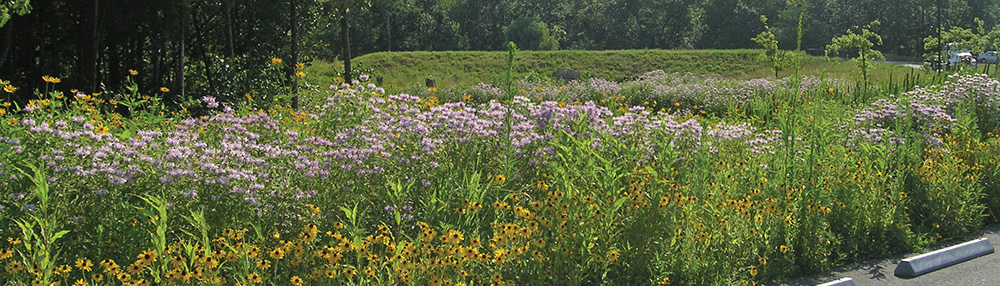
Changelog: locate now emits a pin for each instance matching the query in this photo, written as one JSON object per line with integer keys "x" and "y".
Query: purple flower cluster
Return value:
{"x": 716, "y": 94}
{"x": 261, "y": 159}
{"x": 929, "y": 111}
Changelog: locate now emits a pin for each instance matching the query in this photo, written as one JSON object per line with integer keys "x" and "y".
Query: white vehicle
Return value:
{"x": 955, "y": 59}
{"x": 988, "y": 57}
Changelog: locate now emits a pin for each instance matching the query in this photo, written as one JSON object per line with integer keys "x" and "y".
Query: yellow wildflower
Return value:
{"x": 50, "y": 79}
{"x": 84, "y": 264}
{"x": 101, "y": 129}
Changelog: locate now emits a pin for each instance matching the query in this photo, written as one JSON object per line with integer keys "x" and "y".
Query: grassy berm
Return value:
{"x": 463, "y": 69}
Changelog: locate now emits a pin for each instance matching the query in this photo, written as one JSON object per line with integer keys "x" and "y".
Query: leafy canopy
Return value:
{"x": 8, "y": 8}
{"x": 864, "y": 43}
{"x": 769, "y": 42}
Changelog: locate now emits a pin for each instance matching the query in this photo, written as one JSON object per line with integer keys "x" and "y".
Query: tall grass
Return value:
{"x": 670, "y": 178}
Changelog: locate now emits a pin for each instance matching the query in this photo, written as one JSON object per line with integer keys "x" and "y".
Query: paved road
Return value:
{"x": 984, "y": 270}
{"x": 916, "y": 65}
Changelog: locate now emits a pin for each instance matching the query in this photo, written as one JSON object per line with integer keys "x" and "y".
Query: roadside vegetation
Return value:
{"x": 223, "y": 143}
{"x": 669, "y": 178}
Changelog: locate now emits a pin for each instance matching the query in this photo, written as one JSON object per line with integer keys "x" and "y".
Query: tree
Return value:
{"x": 294, "y": 17}
{"x": 531, "y": 33}
{"x": 865, "y": 44}
{"x": 771, "y": 54}
{"x": 974, "y": 40}
{"x": 18, "y": 7}
{"x": 341, "y": 10}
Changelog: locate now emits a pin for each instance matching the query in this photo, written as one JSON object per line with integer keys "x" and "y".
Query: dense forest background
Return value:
{"x": 224, "y": 47}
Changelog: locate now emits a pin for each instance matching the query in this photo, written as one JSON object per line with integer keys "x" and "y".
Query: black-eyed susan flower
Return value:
{"x": 135, "y": 268}
{"x": 275, "y": 61}
{"x": 350, "y": 272}
{"x": 6, "y": 253}
{"x": 300, "y": 74}
{"x": 80, "y": 282}
{"x": 147, "y": 257}
{"x": 14, "y": 267}
{"x": 101, "y": 129}
{"x": 164, "y": 89}
{"x": 263, "y": 264}
{"x": 783, "y": 249}
{"x": 296, "y": 281}
{"x": 435, "y": 281}
{"x": 277, "y": 253}
{"x": 133, "y": 72}
{"x": 542, "y": 186}
{"x": 123, "y": 277}
{"x": 50, "y": 79}
{"x": 177, "y": 261}
{"x": 500, "y": 178}
{"x": 497, "y": 278}
{"x": 254, "y": 278}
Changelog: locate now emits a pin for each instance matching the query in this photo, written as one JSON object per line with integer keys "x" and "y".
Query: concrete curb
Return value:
{"x": 841, "y": 282}
{"x": 927, "y": 262}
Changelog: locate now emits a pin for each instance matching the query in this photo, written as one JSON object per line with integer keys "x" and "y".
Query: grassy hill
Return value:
{"x": 467, "y": 68}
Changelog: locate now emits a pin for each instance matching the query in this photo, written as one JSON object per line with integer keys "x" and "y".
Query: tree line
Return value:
{"x": 223, "y": 47}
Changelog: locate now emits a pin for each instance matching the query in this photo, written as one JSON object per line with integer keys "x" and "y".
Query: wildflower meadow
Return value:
{"x": 664, "y": 179}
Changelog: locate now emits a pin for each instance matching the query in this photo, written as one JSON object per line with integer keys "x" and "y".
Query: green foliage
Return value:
{"x": 40, "y": 231}
{"x": 771, "y": 54}
{"x": 612, "y": 194}
{"x": 975, "y": 40}
{"x": 16, "y": 7}
{"x": 404, "y": 69}
{"x": 864, "y": 43}
{"x": 532, "y": 33}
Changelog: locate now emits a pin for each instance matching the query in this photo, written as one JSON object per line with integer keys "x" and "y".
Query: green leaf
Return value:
{"x": 58, "y": 235}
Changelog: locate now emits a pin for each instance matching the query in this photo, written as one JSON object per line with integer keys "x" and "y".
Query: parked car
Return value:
{"x": 955, "y": 60}
{"x": 988, "y": 57}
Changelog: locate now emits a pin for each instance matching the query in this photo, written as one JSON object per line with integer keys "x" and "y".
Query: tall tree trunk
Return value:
{"x": 158, "y": 66}
{"x": 295, "y": 52}
{"x": 181, "y": 60}
{"x": 94, "y": 48}
{"x": 200, "y": 44}
{"x": 940, "y": 41}
{"x": 388, "y": 29}
{"x": 138, "y": 53}
{"x": 345, "y": 38}
{"x": 8, "y": 39}
{"x": 229, "y": 27}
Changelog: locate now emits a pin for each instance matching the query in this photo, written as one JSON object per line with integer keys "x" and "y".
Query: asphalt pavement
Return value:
{"x": 916, "y": 65}
{"x": 983, "y": 270}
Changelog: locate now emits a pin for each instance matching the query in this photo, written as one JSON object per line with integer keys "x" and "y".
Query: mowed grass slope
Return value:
{"x": 467, "y": 68}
